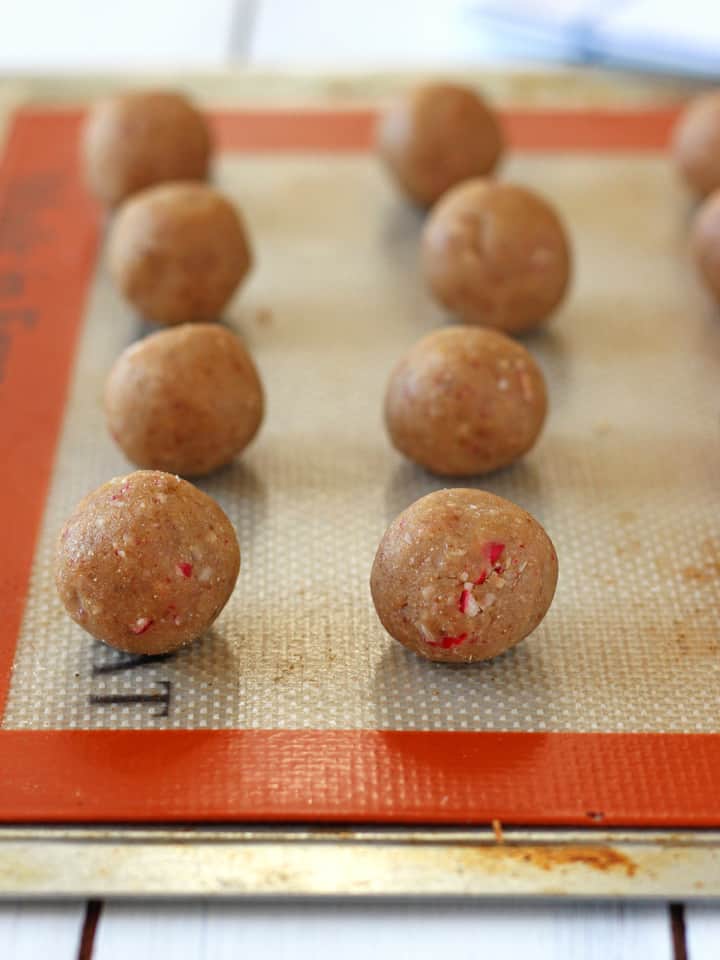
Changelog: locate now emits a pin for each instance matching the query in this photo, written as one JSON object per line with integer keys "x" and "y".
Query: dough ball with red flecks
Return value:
{"x": 146, "y": 562}
{"x": 436, "y": 136}
{"x": 185, "y": 400}
{"x": 135, "y": 140}
{"x": 496, "y": 254}
{"x": 178, "y": 252}
{"x": 465, "y": 401}
{"x": 463, "y": 575}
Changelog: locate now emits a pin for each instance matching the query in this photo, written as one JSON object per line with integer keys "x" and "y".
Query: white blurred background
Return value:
{"x": 665, "y": 36}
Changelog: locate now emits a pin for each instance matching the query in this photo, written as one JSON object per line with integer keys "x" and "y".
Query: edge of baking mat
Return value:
{"x": 48, "y": 243}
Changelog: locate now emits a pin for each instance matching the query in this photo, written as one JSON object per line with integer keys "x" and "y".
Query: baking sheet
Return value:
{"x": 297, "y": 706}
{"x": 624, "y": 478}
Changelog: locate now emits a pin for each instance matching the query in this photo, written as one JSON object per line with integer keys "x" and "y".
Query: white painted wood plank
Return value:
{"x": 85, "y": 34}
{"x": 702, "y": 931}
{"x": 401, "y": 931}
{"x": 373, "y": 33}
{"x": 30, "y": 931}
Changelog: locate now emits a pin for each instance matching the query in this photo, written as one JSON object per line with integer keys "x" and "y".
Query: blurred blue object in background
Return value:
{"x": 664, "y": 36}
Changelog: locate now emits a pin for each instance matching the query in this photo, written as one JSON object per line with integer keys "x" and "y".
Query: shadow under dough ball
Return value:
{"x": 178, "y": 252}
{"x": 135, "y": 140}
{"x": 463, "y": 575}
{"x": 465, "y": 401}
{"x": 496, "y": 254}
{"x": 706, "y": 242}
{"x": 146, "y": 562}
{"x": 436, "y": 136}
{"x": 696, "y": 144}
{"x": 185, "y": 400}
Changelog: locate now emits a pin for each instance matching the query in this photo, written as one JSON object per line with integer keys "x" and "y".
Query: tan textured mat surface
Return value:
{"x": 625, "y": 478}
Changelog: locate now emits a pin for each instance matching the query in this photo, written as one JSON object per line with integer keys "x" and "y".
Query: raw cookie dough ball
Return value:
{"x": 462, "y": 575}
{"x": 135, "y": 140}
{"x": 465, "y": 401}
{"x": 496, "y": 254}
{"x": 178, "y": 251}
{"x": 706, "y": 242}
{"x": 696, "y": 143}
{"x": 185, "y": 400}
{"x": 146, "y": 562}
{"x": 437, "y": 136}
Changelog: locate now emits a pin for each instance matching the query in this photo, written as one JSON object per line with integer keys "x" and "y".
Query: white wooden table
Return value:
{"x": 280, "y": 32}
{"x": 200, "y": 930}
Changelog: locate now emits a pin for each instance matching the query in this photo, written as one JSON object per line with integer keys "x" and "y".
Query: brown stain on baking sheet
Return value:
{"x": 597, "y": 858}
{"x": 708, "y": 569}
{"x": 708, "y": 572}
{"x": 550, "y": 858}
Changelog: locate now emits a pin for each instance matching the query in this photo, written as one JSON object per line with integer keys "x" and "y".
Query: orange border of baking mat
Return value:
{"x": 46, "y": 264}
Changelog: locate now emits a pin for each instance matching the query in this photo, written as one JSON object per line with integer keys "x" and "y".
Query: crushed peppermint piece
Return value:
{"x": 495, "y": 551}
{"x": 205, "y": 575}
{"x": 119, "y": 495}
{"x": 482, "y": 578}
{"x": 467, "y": 603}
{"x": 426, "y": 635}
{"x": 488, "y": 600}
{"x": 141, "y": 625}
{"x": 522, "y": 566}
{"x": 184, "y": 569}
{"x": 447, "y": 642}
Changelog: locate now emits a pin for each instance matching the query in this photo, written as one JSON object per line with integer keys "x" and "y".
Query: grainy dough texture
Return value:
{"x": 463, "y": 575}
{"x": 185, "y": 400}
{"x": 496, "y": 254}
{"x": 146, "y": 562}
{"x": 134, "y": 140}
{"x": 436, "y": 136}
{"x": 177, "y": 252}
{"x": 465, "y": 401}
{"x": 696, "y": 144}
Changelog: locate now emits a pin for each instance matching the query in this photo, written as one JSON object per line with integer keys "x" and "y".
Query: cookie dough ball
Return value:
{"x": 146, "y": 562}
{"x": 437, "y": 136}
{"x": 706, "y": 242}
{"x": 696, "y": 144}
{"x": 463, "y": 575}
{"x": 496, "y": 254}
{"x": 177, "y": 252}
{"x": 465, "y": 401}
{"x": 135, "y": 140}
{"x": 185, "y": 400}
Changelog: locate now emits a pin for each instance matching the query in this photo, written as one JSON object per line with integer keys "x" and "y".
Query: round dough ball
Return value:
{"x": 185, "y": 400}
{"x": 465, "y": 401}
{"x": 463, "y": 575}
{"x": 177, "y": 252}
{"x": 696, "y": 143}
{"x": 146, "y": 562}
{"x": 135, "y": 140}
{"x": 496, "y": 254}
{"x": 437, "y": 136}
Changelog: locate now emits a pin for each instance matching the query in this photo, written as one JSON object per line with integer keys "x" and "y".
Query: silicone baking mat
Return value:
{"x": 297, "y": 705}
